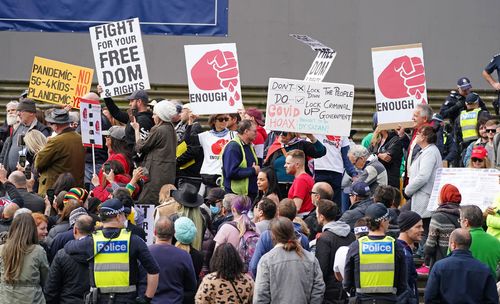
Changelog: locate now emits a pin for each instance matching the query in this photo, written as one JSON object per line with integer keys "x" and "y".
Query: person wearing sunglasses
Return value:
{"x": 212, "y": 143}
{"x": 482, "y": 127}
{"x": 285, "y": 142}
{"x": 479, "y": 158}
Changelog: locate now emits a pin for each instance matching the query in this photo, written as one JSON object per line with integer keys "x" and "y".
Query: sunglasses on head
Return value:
{"x": 283, "y": 133}
{"x": 222, "y": 119}
{"x": 491, "y": 130}
{"x": 477, "y": 160}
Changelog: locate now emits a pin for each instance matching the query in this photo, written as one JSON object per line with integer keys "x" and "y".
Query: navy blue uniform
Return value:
{"x": 494, "y": 65}
{"x": 454, "y": 104}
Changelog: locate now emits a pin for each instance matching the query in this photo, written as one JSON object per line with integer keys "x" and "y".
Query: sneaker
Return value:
{"x": 424, "y": 269}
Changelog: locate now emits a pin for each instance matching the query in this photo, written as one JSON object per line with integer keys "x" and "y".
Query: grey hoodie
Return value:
{"x": 339, "y": 228}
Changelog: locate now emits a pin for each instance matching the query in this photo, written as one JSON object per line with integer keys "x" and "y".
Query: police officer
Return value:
{"x": 445, "y": 141}
{"x": 375, "y": 269}
{"x": 465, "y": 125}
{"x": 113, "y": 253}
{"x": 455, "y": 102}
{"x": 488, "y": 70}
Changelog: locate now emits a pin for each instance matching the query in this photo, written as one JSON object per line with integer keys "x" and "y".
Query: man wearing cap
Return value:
{"x": 375, "y": 269}
{"x": 139, "y": 111}
{"x": 62, "y": 153}
{"x": 445, "y": 140}
{"x": 465, "y": 124}
{"x": 113, "y": 254}
{"x": 256, "y": 116}
{"x": 64, "y": 237}
{"x": 240, "y": 164}
{"x": 359, "y": 195}
{"x": 14, "y": 145}
{"x": 455, "y": 102}
{"x": 411, "y": 228}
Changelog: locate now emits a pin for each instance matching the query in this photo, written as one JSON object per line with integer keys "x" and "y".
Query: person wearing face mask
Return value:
{"x": 158, "y": 150}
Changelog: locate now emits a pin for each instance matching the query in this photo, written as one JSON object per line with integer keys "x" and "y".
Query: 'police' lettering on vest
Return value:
{"x": 376, "y": 248}
{"x": 112, "y": 247}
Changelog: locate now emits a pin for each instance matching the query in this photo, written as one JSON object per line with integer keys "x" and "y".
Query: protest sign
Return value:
{"x": 309, "y": 107}
{"x": 323, "y": 61}
{"x": 119, "y": 57}
{"x": 213, "y": 78}
{"x": 477, "y": 186}
{"x": 90, "y": 123}
{"x": 58, "y": 82}
{"x": 149, "y": 222}
{"x": 399, "y": 78}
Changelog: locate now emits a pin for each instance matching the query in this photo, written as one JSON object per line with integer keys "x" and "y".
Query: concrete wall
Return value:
{"x": 459, "y": 38}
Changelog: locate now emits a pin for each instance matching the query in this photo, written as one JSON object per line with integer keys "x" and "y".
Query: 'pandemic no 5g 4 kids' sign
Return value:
{"x": 399, "y": 78}
{"x": 213, "y": 78}
{"x": 119, "y": 57}
{"x": 58, "y": 82}
{"x": 309, "y": 107}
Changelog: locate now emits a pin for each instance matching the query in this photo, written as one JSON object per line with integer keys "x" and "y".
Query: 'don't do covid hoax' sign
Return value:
{"x": 119, "y": 57}
{"x": 58, "y": 82}
{"x": 309, "y": 107}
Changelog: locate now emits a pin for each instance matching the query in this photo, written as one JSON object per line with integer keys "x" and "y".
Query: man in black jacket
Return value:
{"x": 32, "y": 201}
{"x": 68, "y": 279}
{"x": 334, "y": 235}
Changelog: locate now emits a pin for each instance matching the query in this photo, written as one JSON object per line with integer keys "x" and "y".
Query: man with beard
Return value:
{"x": 10, "y": 123}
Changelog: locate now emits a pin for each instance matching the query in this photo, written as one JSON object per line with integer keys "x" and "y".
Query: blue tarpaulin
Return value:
{"x": 163, "y": 17}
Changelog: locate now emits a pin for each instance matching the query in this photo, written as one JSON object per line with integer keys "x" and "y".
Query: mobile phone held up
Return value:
{"x": 107, "y": 168}
{"x": 22, "y": 160}
{"x": 50, "y": 195}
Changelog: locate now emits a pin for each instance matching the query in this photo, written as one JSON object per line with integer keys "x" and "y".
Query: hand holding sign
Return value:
{"x": 217, "y": 70}
{"x": 403, "y": 77}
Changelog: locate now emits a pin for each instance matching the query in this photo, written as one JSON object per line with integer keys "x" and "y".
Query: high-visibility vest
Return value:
{"x": 181, "y": 149}
{"x": 240, "y": 186}
{"x": 111, "y": 263}
{"x": 376, "y": 265}
{"x": 468, "y": 122}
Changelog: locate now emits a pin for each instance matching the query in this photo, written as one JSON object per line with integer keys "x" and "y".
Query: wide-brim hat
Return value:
{"x": 59, "y": 116}
{"x": 188, "y": 196}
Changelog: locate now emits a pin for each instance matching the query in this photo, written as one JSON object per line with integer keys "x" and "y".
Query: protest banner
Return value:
{"x": 399, "y": 77}
{"x": 477, "y": 186}
{"x": 90, "y": 123}
{"x": 58, "y": 82}
{"x": 119, "y": 57}
{"x": 309, "y": 107}
{"x": 149, "y": 222}
{"x": 323, "y": 61}
{"x": 213, "y": 78}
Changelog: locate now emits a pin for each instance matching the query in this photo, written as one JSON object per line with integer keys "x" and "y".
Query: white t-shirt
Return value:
{"x": 212, "y": 149}
{"x": 332, "y": 161}
{"x": 340, "y": 257}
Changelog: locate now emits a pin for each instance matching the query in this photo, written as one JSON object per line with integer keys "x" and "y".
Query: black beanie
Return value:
{"x": 407, "y": 219}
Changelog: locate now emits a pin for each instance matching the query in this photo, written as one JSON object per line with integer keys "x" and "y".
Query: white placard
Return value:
{"x": 323, "y": 61}
{"x": 309, "y": 107}
{"x": 119, "y": 57}
{"x": 477, "y": 186}
{"x": 313, "y": 43}
{"x": 213, "y": 78}
{"x": 399, "y": 78}
{"x": 90, "y": 123}
{"x": 149, "y": 222}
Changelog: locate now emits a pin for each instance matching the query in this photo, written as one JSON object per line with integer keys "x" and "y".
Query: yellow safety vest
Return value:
{"x": 181, "y": 149}
{"x": 376, "y": 265}
{"x": 240, "y": 186}
{"x": 111, "y": 263}
{"x": 468, "y": 122}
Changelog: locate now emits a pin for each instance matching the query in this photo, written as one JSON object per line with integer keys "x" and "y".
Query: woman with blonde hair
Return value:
{"x": 168, "y": 206}
{"x": 479, "y": 158}
{"x": 23, "y": 263}
{"x": 35, "y": 141}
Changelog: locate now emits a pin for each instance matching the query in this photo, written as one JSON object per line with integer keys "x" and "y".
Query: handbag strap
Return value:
{"x": 235, "y": 290}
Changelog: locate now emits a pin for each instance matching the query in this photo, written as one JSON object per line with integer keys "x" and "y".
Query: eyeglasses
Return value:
{"x": 491, "y": 130}
{"x": 477, "y": 160}
{"x": 312, "y": 192}
{"x": 223, "y": 119}
{"x": 283, "y": 133}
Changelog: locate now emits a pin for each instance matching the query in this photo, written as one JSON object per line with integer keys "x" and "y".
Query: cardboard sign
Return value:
{"x": 213, "y": 78}
{"x": 119, "y": 57}
{"x": 58, "y": 82}
{"x": 149, "y": 222}
{"x": 323, "y": 61}
{"x": 399, "y": 78}
{"x": 477, "y": 186}
{"x": 309, "y": 107}
{"x": 90, "y": 123}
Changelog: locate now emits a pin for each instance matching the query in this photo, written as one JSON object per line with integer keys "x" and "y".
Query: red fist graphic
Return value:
{"x": 217, "y": 70}
{"x": 219, "y": 145}
{"x": 403, "y": 77}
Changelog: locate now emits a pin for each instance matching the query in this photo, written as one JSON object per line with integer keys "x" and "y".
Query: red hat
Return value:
{"x": 256, "y": 114}
{"x": 450, "y": 194}
{"x": 479, "y": 152}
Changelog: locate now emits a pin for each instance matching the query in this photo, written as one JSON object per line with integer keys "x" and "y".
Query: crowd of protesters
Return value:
{"x": 242, "y": 215}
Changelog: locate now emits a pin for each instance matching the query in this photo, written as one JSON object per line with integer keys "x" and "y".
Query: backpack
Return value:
{"x": 246, "y": 245}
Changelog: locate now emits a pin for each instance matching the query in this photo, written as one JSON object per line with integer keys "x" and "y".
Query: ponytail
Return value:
{"x": 294, "y": 245}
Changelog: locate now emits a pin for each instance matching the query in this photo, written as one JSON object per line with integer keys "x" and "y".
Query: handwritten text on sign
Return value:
{"x": 119, "y": 57}
{"x": 309, "y": 107}
{"x": 58, "y": 82}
